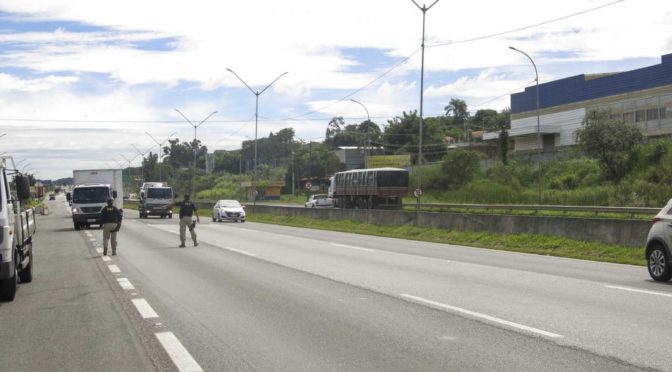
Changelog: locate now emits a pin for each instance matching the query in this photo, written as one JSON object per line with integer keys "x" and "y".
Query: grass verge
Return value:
{"x": 525, "y": 243}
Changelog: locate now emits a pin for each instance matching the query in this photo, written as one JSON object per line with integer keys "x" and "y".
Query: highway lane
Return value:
{"x": 69, "y": 317}
{"x": 258, "y": 297}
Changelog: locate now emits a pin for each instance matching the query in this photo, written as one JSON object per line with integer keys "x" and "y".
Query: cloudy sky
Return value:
{"x": 83, "y": 81}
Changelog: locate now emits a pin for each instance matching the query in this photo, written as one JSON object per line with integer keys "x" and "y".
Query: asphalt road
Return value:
{"x": 263, "y": 297}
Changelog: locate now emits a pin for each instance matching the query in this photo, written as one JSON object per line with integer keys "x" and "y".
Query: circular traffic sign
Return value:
{"x": 308, "y": 185}
{"x": 417, "y": 193}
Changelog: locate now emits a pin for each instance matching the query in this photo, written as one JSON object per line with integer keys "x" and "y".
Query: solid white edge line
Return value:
{"x": 124, "y": 283}
{"x": 114, "y": 268}
{"x": 239, "y": 251}
{"x": 144, "y": 309}
{"x": 639, "y": 291}
{"x": 482, "y": 316}
{"x": 180, "y": 356}
{"x": 352, "y": 247}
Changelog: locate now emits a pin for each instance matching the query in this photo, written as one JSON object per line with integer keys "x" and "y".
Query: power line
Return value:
{"x": 525, "y": 27}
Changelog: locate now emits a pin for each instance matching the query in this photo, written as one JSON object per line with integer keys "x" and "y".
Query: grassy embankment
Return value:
{"x": 526, "y": 243}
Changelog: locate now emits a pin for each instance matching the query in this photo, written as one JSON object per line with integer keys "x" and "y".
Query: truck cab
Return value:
{"x": 156, "y": 201}
{"x": 87, "y": 201}
{"x": 17, "y": 227}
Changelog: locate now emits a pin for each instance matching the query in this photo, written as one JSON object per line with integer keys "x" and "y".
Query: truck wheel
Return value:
{"x": 170, "y": 216}
{"x": 26, "y": 275}
{"x": 77, "y": 226}
{"x": 8, "y": 288}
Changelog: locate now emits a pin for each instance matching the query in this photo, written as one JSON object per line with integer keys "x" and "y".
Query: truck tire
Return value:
{"x": 77, "y": 227}
{"x": 26, "y": 275}
{"x": 8, "y": 288}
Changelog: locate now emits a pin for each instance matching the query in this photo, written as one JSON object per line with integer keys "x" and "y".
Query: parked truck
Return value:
{"x": 92, "y": 189}
{"x": 18, "y": 227}
{"x": 156, "y": 199}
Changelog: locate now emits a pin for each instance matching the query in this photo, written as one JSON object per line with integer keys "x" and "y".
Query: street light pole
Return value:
{"x": 193, "y": 168}
{"x": 368, "y": 143}
{"x": 142, "y": 165}
{"x": 160, "y": 144}
{"x": 256, "y": 108}
{"x": 424, "y": 10}
{"x": 536, "y": 79}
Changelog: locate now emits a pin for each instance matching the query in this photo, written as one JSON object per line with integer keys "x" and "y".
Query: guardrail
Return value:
{"x": 538, "y": 208}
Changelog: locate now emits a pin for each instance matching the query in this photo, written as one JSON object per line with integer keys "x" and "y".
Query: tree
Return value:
{"x": 457, "y": 169}
{"x": 457, "y": 108}
{"x": 402, "y": 136}
{"x": 609, "y": 141}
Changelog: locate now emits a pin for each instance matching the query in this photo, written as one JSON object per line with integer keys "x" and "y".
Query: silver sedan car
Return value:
{"x": 659, "y": 244}
{"x": 228, "y": 210}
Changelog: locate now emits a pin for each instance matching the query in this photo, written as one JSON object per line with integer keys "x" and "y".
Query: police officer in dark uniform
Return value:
{"x": 187, "y": 211}
{"x": 110, "y": 219}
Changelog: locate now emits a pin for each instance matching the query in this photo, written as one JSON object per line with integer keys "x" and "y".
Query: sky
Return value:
{"x": 87, "y": 84}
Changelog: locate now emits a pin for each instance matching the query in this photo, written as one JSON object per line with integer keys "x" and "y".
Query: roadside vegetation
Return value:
{"x": 525, "y": 243}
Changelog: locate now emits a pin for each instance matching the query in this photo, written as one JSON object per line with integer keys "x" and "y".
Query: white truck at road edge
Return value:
{"x": 92, "y": 189}
{"x": 18, "y": 228}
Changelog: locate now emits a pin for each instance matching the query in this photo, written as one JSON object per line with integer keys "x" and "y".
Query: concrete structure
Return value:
{"x": 625, "y": 232}
{"x": 642, "y": 97}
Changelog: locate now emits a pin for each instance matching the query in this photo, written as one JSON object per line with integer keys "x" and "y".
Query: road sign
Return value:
{"x": 308, "y": 185}
{"x": 417, "y": 193}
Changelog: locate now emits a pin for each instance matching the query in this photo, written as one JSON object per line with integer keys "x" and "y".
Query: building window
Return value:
{"x": 640, "y": 116}
{"x": 629, "y": 117}
{"x": 652, "y": 114}
{"x": 662, "y": 113}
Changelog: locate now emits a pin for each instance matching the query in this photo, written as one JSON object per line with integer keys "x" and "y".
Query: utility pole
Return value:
{"x": 424, "y": 10}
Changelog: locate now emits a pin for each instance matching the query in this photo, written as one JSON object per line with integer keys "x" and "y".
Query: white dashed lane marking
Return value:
{"x": 180, "y": 356}
{"x": 352, "y": 247}
{"x": 107, "y": 259}
{"x": 124, "y": 283}
{"x": 144, "y": 309}
{"x": 239, "y": 251}
{"x": 654, "y": 293}
{"x": 481, "y": 316}
{"x": 114, "y": 269}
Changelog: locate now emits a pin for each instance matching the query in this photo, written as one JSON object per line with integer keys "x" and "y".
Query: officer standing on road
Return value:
{"x": 111, "y": 220}
{"x": 187, "y": 211}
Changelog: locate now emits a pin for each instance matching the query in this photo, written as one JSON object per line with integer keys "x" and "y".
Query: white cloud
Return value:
{"x": 261, "y": 39}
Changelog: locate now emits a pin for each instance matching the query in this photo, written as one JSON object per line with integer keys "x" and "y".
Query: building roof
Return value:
{"x": 585, "y": 87}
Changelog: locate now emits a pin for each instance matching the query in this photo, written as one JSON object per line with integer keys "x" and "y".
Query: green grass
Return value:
{"x": 525, "y": 243}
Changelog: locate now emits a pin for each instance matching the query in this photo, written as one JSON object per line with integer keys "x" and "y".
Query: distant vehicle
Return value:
{"x": 369, "y": 188}
{"x": 156, "y": 201}
{"x": 92, "y": 189}
{"x": 18, "y": 227}
{"x": 228, "y": 210}
{"x": 319, "y": 200}
{"x": 52, "y": 197}
{"x": 659, "y": 245}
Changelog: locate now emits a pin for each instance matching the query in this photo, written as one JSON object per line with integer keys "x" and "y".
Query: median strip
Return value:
{"x": 481, "y": 316}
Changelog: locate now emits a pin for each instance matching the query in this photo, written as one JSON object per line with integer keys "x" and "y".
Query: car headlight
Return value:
{"x": 74, "y": 210}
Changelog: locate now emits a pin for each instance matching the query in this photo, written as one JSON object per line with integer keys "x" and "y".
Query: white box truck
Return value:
{"x": 92, "y": 189}
{"x": 17, "y": 227}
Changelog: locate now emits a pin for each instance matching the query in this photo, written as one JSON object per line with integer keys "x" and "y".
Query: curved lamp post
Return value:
{"x": 536, "y": 79}
{"x": 368, "y": 143}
